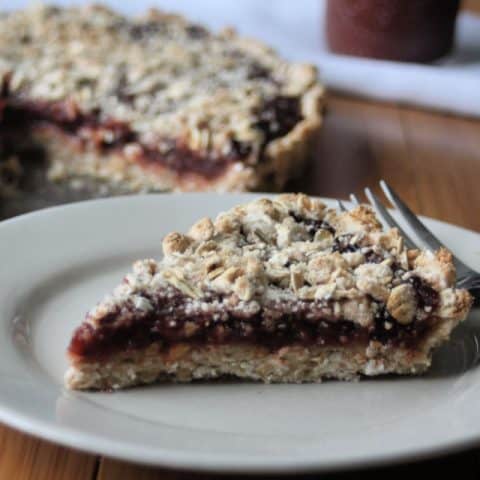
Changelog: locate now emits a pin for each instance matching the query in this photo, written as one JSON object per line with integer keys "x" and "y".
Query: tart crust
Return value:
{"x": 185, "y": 364}
{"x": 218, "y": 110}
{"x": 282, "y": 290}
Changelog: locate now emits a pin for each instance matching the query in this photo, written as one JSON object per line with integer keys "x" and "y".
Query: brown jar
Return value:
{"x": 403, "y": 30}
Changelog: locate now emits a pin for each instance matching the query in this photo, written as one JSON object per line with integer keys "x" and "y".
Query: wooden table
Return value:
{"x": 432, "y": 159}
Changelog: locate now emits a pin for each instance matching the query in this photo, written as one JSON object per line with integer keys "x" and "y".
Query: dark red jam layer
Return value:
{"x": 276, "y": 119}
{"x": 109, "y": 135}
{"x": 276, "y": 325}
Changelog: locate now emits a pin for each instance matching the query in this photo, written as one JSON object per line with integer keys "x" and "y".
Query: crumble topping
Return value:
{"x": 293, "y": 254}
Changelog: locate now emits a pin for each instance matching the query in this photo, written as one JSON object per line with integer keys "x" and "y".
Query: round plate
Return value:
{"x": 57, "y": 263}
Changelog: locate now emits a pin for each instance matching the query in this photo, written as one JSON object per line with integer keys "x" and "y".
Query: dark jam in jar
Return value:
{"x": 401, "y": 30}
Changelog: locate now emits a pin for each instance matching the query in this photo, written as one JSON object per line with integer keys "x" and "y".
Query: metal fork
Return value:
{"x": 466, "y": 276}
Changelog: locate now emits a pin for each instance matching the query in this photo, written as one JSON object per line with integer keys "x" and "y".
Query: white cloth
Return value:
{"x": 295, "y": 29}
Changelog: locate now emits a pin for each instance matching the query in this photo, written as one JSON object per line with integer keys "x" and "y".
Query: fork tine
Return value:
{"x": 423, "y": 233}
{"x": 387, "y": 218}
{"x": 354, "y": 199}
{"x": 341, "y": 206}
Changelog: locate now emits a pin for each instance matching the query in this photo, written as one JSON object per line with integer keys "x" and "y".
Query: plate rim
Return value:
{"x": 207, "y": 462}
{"x": 210, "y": 463}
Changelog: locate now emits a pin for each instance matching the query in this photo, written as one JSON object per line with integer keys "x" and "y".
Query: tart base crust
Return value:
{"x": 295, "y": 364}
{"x": 290, "y": 365}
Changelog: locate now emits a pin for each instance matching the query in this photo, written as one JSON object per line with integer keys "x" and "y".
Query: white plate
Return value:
{"x": 58, "y": 262}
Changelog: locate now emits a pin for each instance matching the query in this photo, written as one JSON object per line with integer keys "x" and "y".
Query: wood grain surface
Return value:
{"x": 23, "y": 457}
{"x": 432, "y": 159}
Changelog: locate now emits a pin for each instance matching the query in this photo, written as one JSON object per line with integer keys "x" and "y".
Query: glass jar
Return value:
{"x": 402, "y": 30}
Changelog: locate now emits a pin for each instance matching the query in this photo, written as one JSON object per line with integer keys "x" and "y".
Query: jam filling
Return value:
{"x": 110, "y": 135}
{"x": 278, "y": 116}
{"x": 312, "y": 226}
{"x": 171, "y": 320}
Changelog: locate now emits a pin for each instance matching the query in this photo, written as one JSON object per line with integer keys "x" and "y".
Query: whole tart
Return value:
{"x": 154, "y": 102}
{"x": 282, "y": 290}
